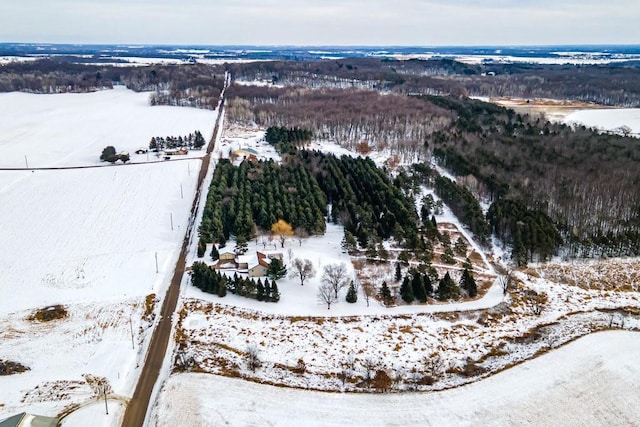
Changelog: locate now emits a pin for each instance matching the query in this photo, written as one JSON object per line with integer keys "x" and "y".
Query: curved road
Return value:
{"x": 136, "y": 411}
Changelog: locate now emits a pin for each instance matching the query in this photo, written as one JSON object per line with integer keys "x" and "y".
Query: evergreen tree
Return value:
{"x": 215, "y": 255}
{"x": 202, "y": 248}
{"x": 276, "y": 270}
{"x": 275, "y": 294}
{"x": 385, "y": 294}
{"x": 460, "y": 247}
{"x": 267, "y": 290}
{"x": 468, "y": 283}
{"x": 406, "y": 291}
{"x": 109, "y": 154}
{"x": 418, "y": 286}
{"x": 260, "y": 296}
{"x": 428, "y": 286}
{"x": 352, "y": 295}
{"x": 222, "y": 289}
{"x": 398, "y": 272}
{"x": 447, "y": 288}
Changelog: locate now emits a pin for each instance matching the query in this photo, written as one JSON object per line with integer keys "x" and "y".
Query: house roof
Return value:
{"x": 29, "y": 420}
{"x": 246, "y": 150}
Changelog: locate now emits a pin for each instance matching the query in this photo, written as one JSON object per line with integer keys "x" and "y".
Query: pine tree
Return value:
{"x": 468, "y": 283}
{"x": 398, "y": 272}
{"x": 352, "y": 295}
{"x": 418, "y": 287}
{"x": 447, "y": 288}
{"x": 260, "y": 296}
{"x": 202, "y": 248}
{"x": 275, "y": 294}
{"x": 276, "y": 270}
{"x": 428, "y": 286}
{"x": 385, "y": 294}
{"x": 215, "y": 255}
{"x": 406, "y": 291}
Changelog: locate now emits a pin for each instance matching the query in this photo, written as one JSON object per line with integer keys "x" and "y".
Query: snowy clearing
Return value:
{"x": 590, "y": 381}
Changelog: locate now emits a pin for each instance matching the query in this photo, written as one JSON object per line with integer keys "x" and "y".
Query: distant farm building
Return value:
{"x": 245, "y": 154}
{"x": 178, "y": 152}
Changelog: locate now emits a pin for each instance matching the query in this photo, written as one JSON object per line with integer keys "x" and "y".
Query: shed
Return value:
{"x": 29, "y": 420}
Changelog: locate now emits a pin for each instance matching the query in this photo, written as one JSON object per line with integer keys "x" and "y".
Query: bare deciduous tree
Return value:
{"x": 335, "y": 275}
{"x": 253, "y": 360}
{"x": 326, "y": 295}
{"x": 302, "y": 268}
{"x": 506, "y": 281}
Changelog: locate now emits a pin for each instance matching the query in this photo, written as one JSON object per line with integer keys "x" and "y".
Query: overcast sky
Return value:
{"x": 316, "y": 22}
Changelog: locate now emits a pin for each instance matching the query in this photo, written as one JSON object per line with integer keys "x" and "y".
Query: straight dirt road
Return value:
{"x": 136, "y": 411}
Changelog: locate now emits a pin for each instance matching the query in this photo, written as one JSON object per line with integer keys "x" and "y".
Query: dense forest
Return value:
{"x": 584, "y": 182}
{"x": 258, "y": 194}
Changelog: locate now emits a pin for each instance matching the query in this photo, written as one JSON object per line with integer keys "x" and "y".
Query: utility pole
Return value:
{"x": 156, "y": 266}
{"x": 104, "y": 391}
{"x": 133, "y": 347}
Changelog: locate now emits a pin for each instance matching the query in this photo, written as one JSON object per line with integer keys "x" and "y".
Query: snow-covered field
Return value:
{"x": 87, "y": 239}
{"x": 607, "y": 119}
{"x": 592, "y": 381}
{"x": 72, "y": 129}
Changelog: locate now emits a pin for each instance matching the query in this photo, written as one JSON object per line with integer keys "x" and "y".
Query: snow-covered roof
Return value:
{"x": 28, "y": 420}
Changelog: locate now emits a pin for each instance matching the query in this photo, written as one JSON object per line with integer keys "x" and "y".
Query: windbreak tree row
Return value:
{"x": 258, "y": 194}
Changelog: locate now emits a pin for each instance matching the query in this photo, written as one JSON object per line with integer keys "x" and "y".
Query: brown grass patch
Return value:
{"x": 8, "y": 367}
{"x": 47, "y": 314}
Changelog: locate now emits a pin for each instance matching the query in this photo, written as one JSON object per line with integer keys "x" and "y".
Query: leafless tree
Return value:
{"x": 368, "y": 290}
{"x": 253, "y": 360}
{"x": 302, "y": 268}
{"x": 335, "y": 275}
{"x": 369, "y": 365}
{"x": 326, "y": 295}
{"x": 506, "y": 281}
{"x": 434, "y": 365}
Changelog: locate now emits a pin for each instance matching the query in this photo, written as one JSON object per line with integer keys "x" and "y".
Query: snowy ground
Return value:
{"x": 86, "y": 239}
{"x": 589, "y": 382}
{"x": 473, "y": 338}
{"x": 607, "y": 119}
{"x": 72, "y": 129}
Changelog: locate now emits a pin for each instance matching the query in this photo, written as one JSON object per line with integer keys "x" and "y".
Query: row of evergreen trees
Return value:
{"x": 363, "y": 199}
{"x": 287, "y": 140}
{"x": 211, "y": 281}
{"x": 464, "y": 205}
{"x": 193, "y": 141}
{"x": 259, "y": 194}
{"x": 417, "y": 286}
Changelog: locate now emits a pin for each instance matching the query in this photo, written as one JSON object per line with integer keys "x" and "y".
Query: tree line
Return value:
{"x": 193, "y": 85}
{"x": 210, "y": 280}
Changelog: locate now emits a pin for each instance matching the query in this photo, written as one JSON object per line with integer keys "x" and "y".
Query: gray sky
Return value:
{"x": 315, "y": 22}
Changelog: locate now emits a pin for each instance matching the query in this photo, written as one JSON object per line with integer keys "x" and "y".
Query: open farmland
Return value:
{"x": 86, "y": 239}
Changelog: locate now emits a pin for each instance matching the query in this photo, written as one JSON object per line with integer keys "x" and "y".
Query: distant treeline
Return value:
{"x": 608, "y": 84}
{"x": 193, "y": 85}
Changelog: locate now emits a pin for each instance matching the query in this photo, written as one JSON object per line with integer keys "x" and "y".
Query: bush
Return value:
{"x": 50, "y": 313}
